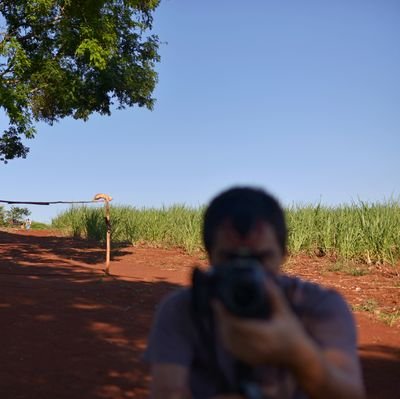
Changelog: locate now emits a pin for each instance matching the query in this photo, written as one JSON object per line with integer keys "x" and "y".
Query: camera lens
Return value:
{"x": 243, "y": 294}
{"x": 242, "y": 289}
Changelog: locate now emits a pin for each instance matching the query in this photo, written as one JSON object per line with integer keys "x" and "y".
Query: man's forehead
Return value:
{"x": 228, "y": 232}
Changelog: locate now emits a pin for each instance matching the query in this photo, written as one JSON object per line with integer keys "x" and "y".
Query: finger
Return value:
{"x": 218, "y": 309}
{"x": 222, "y": 314}
{"x": 277, "y": 298}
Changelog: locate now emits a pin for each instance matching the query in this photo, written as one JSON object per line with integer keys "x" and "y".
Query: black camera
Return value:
{"x": 239, "y": 284}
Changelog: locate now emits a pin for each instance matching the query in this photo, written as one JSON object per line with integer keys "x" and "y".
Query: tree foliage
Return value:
{"x": 62, "y": 58}
{"x": 2, "y": 215}
{"x": 14, "y": 216}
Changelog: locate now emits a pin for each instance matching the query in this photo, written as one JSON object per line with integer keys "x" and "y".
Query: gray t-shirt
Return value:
{"x": 178, "y": 337}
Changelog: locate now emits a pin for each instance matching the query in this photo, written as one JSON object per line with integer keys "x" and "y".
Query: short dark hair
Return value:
{"x": 244, "y": 207}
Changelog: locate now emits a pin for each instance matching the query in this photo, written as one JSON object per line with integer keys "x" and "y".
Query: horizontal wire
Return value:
{"x": 49, "y": 202}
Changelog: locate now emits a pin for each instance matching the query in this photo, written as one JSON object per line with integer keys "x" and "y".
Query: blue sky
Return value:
{"x": 299, "y": 97}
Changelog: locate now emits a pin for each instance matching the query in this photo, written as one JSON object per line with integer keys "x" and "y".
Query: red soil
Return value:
{"x": 69, "y": 331}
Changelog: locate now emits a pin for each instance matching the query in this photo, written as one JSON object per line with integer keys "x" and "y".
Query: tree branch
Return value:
{"x": 9, "y": 69}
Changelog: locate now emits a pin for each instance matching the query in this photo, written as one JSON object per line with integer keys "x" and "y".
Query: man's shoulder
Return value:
{"x": 179, "y": 297}
{"x": 171, "y": 336}
{"x": 311, "y": 296}
{"x": 324, "y": 312}
{"x": 293, "y": 283}
{"x": 174, "y": 314}
{"x": 176, "y": 304}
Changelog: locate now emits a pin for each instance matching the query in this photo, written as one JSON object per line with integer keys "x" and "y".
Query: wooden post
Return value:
{"x": 106, "y": 198}
{"x": 108, "y": 237}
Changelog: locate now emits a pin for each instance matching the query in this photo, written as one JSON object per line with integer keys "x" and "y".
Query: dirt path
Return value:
{"x": 67, "y": 331}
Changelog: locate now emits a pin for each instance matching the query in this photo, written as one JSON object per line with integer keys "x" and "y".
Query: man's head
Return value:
{"x": 245, "y": 221}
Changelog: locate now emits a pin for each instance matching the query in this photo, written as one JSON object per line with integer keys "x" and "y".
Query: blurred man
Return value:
{"x": 306, "y": 348}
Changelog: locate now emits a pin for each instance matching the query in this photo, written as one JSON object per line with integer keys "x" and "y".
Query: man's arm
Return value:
{"x": 322, "y": 373}
{"x": 170, "y": 348}
{"x": 169, "y": 381}
{"x": 329, "y": 373}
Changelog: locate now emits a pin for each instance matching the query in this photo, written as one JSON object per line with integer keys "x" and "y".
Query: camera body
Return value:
{"x": 239, "y": 284}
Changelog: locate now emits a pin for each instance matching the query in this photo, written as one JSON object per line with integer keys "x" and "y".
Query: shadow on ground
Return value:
{"x": 76, "y": 336}
{"x": 68, "y": 331}
{"x": 381, "y": 369}
{"x": 24, "y": 248}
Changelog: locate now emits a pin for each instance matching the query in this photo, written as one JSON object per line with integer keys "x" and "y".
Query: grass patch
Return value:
{"x": 39, "y": 226}
{"x": 369, "y": 305}
{"x": 389, "y": 318}
{"x": 360, "y": 232}
{"x": 175, "y": 226}
{"x": 348, "y": 267}
{"x": 372, "y": 306}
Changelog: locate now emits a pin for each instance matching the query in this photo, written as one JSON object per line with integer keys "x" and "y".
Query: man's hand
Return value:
{"x": 273, "y": 341}
{"x": 323, "y": 373}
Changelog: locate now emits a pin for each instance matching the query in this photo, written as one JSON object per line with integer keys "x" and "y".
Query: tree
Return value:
{"x": 62, "y": 58}
{"x": 16, "y": 215}
{"x": 2, "y": 216}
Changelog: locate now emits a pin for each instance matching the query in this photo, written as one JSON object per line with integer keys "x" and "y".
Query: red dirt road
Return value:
{"x": 68, "y": 331}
